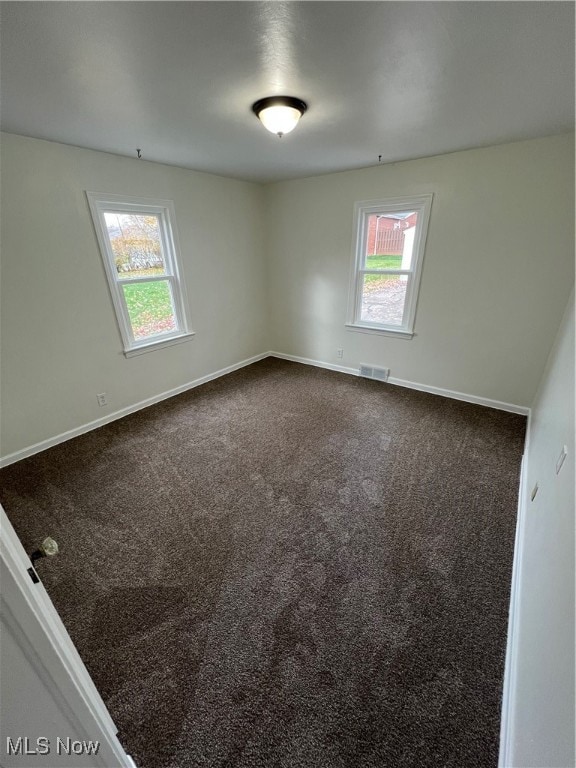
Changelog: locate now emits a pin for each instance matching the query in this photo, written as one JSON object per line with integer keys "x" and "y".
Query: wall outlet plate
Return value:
{"x": 561, "y": 458}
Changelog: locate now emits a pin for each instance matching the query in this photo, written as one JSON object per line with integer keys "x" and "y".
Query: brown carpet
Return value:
{"x": 287, "y": 567}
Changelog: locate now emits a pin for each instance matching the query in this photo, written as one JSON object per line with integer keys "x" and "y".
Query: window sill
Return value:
{"x": 160, "y": 344}
{"x": 381, "y": 331}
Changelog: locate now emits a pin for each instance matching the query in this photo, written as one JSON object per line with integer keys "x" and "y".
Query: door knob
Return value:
{"x": 48, "y": 548}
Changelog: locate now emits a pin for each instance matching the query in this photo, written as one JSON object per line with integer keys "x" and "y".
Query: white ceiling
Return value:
{"x": 177, "y": 79}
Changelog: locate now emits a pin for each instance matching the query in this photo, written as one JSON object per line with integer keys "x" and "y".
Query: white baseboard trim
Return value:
{"x": 505, "y": 759}
{"x": 486, "y": 401}
{"x": 316, "y": 363}
{"x": 61, "y": 438}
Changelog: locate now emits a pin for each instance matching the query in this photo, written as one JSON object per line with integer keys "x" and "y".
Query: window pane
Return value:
{"x": 150, "y": 308}
{"x": 383, "y": 298}
{"x": 390, "y": 240}
{"x": 136, "y": 244}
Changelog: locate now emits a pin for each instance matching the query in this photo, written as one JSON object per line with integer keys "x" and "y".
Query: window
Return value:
{"x": 387, "y": 262}
{"x": 138, "y": 245}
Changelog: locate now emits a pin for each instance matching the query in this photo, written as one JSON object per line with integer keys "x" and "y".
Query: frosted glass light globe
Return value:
{"x": 279, "y": 119}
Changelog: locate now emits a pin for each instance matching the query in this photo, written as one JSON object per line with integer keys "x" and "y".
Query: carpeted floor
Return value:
{"x": 287, "y": 568}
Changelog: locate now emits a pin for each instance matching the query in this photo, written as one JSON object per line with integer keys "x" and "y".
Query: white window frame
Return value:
{"x": 164, "y": 209}
{"x": 362, "y": 210}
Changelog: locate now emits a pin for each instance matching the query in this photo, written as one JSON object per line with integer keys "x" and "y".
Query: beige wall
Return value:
{"x": 540, "y": 669}
{"x": 498, "y": 268}
{"x": 60, "y": 341}
{"x": 268, "y": 268}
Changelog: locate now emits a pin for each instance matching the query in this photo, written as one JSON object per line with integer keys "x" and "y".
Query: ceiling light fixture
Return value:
{"x": 279, "y": 114}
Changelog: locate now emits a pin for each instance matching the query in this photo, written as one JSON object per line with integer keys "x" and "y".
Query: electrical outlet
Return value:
{"x": 561, "y": 458}
{"x": 102, "y": 399}
{"x": 340, "y": 353}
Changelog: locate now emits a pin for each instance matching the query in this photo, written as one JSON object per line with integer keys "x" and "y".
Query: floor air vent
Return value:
{"x": 380, "y": 374}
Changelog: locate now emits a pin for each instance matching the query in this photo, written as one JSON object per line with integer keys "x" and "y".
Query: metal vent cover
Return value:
{"x": 370, "y": 372}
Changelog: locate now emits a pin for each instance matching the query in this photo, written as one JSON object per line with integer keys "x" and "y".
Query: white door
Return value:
{"x": 51, "y": 715}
